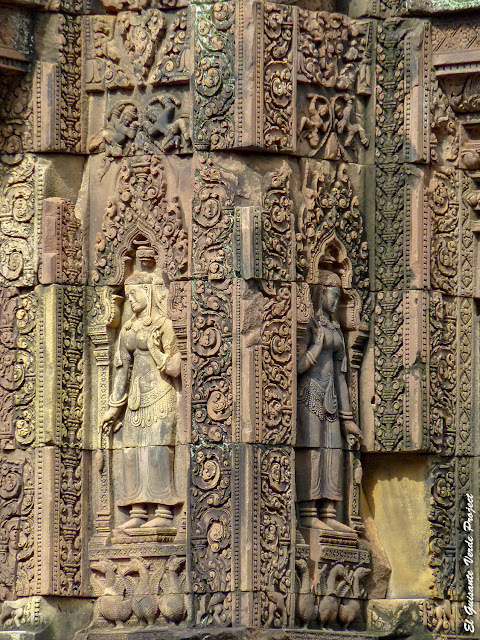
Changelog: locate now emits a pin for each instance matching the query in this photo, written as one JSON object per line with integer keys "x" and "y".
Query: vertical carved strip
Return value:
{"x": 278, "y": 228}
{"x": 389, "y": 239}
{"x": 275, "y": 468}
{"x": 452, "y": 480}
{"x": 464, "y": 376}
{"x": 444, "y": 211}
{"x": 278, "y": 394}
{"x": 72, "y": 371}
{"x": 211, "y": 532}
{"x": 467, "y": 240}
{"x": 214, "y": 88}
{"x": 279, "y": 77}
{"x": 18, "y": 242}
{"x": 70, "y": 523}
{"x": 211, "y": 344}
{"x": 390, "y": 176}
{"x": 101, "y": 312}
{"x": 71, "y": 118}
{"x": 17, "y": 523}
{"x": 213, "y": 219}
{"x": 62, "y": 259}
{"x": 443, "y": 360}
{"x": 389, "y": 371}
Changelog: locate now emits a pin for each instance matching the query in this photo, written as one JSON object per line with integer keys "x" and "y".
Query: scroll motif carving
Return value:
{"x": 443, "y": 347}
{"x": 444, "y": 205}
{"x": 213, "y": 217}
{"x": 15, "y": 113}
{"x": 278, "y": 77}
{"x": 330, "y": 49}
{"x": 18, "y": 247}
{"x": 278, "y": 227}
{"x": 172, "y": 64}
{"x": 211, "y": 535}
{"x": 451, "y": 481}
{"x": 17, "y": 382}
{"x": 275, "y": 535}
{"x": 16, "y": 524}
{"x": 211, "y": 343}
{"x": 140, "y": 211}
{"x": 24, "y": 418}
{"x": 277, "y": 365}
{"x": 151, "y": 48}
{"x": 214, "y": 76}
{"x": 142, "y": 4}
{"x": 140, "y": 34}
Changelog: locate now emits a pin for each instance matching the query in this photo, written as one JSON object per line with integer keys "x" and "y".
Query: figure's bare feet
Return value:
{"x": 133, "y": 523}
{"x": 313, "y": 523}
{"x": 335, "y": 525}
{"x": 158, "y": 522}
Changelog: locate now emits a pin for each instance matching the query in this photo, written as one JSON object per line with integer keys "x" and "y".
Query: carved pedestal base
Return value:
{"x": 139, "y": 535}
{"x": 224, "y": 634}
{"x": 337, "y": 565}
{"x": 138, "y": 584}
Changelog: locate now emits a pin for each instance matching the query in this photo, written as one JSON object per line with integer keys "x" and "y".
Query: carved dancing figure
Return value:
{"x": 324, "y": 413}
{"x": 147, "y": 362}
{"x": 175, "y": 133}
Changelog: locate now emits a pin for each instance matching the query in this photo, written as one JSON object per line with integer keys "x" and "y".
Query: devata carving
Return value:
{"x": 325, "y": 419}
{"x": 147, "y": 345}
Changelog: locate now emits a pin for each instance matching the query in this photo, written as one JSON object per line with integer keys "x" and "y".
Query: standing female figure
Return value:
{"x": 147, "y": 361}
{"x": 324, "y": 413}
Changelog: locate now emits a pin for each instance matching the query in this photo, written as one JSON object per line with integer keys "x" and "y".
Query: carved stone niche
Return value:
{"x": 335, "y": 550}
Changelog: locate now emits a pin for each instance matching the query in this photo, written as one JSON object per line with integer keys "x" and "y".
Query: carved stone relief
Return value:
{"x": 238, "y": 269}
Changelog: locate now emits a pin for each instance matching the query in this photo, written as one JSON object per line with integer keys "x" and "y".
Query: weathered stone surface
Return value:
{"x": 238, "y": 319}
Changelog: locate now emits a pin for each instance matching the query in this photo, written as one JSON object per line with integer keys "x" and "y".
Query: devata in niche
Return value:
{"x": 325, "y": 418}
{"x": 147, "y": 370}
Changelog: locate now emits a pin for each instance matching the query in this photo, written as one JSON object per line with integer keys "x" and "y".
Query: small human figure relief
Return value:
{"x": 147, "y": 370}
{"x": 324, "y": 413}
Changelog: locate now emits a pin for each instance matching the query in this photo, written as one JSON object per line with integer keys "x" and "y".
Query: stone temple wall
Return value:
{"x": 238, "y": 319}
